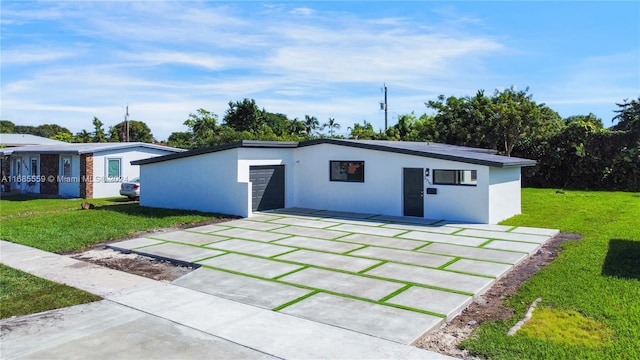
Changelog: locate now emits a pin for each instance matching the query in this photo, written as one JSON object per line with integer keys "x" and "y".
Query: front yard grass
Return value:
{"x": 56, "y": 227}
{"x": 22, "y": 294}
{"x": 597, "y": 277}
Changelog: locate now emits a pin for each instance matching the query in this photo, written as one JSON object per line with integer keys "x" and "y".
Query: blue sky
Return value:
{"x": 65, "y": 62}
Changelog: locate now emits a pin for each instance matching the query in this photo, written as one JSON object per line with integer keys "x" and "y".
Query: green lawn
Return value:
{"x": 22, "y": 205}
{"x": 53, "y": 225}
{"x": 22, "y": 294}
{"x": 590, "y": 293}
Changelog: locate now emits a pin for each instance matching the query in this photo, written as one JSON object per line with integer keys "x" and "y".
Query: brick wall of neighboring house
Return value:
{"x": 86, "y": 176}
{"x": 50, "y": 169}
{"x": 6, "y": 171}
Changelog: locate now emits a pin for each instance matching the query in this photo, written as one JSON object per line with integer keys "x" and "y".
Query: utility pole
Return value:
{"x": 383, "y": 106}
{"x": 126, "y": 124}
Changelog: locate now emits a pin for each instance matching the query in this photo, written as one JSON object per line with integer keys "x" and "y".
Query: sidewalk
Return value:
{"x": 143, "y": 318}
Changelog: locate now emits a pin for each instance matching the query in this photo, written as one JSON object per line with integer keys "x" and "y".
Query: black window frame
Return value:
{"x": 456, "y": 177}
{"x": 357, "y": 177}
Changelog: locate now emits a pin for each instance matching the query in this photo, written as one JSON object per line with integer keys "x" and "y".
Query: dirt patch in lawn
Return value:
{"x": 490, "y": 305}
{"x": 136, "y": 264}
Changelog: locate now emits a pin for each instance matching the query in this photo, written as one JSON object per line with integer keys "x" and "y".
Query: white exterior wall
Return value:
{"x": 381, "y": 192}
{"x": 102, "y": 187}
{"x": 207, "y": 182}
{"x": 504, "y": 194}
{"x": 70, "y": 187}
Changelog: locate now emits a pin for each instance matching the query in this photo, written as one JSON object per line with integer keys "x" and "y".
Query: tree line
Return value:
{"x": 138, "y": 131}
{"x": 574, "y": 152}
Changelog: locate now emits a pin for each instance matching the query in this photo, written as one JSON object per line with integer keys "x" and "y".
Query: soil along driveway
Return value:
{"x": 393, "y": 278}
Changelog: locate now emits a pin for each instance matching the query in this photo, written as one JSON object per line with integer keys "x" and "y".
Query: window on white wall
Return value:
{"x": 113, "y": 168}
{"x": 349, "y": 171}
{"x": 65, "y": 168}
{"x": 455, "y": 177}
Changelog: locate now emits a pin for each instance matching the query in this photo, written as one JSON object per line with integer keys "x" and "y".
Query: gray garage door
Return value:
{"x": 267, "y": 191}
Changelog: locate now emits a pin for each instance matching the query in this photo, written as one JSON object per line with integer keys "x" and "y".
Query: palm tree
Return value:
{"x": 331, "y": 124}
{"x": 297, "y": 127}
{"x": 310, "y": 123}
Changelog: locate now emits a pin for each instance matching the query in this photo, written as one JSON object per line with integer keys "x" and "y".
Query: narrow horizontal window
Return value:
{"x": 455, "y": 177}
{"x": 349, "y": 171}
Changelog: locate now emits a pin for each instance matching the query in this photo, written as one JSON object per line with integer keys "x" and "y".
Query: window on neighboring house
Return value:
{"x": 455, "y": 177}
{"x": 66, "y": 166}
{"x": 350, "y": 171}
{"x": 17, "y": 167}
{"x": 34, "y": 167}
{"x": 113, "y": 168}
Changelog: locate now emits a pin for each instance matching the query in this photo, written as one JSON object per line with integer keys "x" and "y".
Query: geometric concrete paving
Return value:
{"x": 323, "y": 265}
{"x": 187, "y": 237}
{"x": 317, "y": 244}
{"x": 247, "y": 290}
{"x": 535, "y": 231}
{"x": 444, "y": 238}
{"x": 371, "y": 230}
{"x": 436, "y": 301}
{"x": 348, "y": 284}
{"x": 513, "y": 246}
{"x": 311, "y": 232}
{"x": 538, "y": 239}
{"x": 304, "y": 222}
{"x": 475, "y": 253}
{"x": 403, "y": 256}
{"x": 253, "y": 225}
{"x": 333, "y": 261}
{"x": 383, "y": 241}
{"x": 250, "y": 234}
{"x": 432, "y": 277}
{"x": 382, "y": 321}
{"x": 250, "y": 265}
{"x": 136, "y": 243}
{"x": 479, "y": 267}
{"x": 250, "y": 247}
{"x": 423, "y": 228}
{"x": 177, "y": 252}
{"x": 208, "y": 228}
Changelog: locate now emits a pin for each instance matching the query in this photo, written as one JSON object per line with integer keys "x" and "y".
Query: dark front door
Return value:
{"x": 267, "y": 190}
{"x": 413, "y": 191}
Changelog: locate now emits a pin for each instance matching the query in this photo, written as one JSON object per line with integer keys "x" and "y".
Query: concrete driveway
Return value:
{"x": 394, "y": 278}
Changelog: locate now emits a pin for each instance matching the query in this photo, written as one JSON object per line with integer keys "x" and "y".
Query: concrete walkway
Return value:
{"x": 143, "y": 319}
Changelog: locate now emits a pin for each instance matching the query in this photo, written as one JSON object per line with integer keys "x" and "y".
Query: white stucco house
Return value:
{"x": 428, "y": 180}
{"x": 87, "y": 170}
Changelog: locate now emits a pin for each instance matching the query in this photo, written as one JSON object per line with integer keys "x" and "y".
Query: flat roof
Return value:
{"x": 26, "y": 139}
{"x": 83, "y": 148}
{"x": 462, "y": 154}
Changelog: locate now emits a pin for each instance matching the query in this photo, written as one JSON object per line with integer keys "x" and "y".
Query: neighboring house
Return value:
{"x": 427, "y": 180}
{"x": 87, "y": 170}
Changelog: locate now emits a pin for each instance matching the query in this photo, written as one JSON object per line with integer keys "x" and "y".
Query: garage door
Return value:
{"x": 267, "y": 190}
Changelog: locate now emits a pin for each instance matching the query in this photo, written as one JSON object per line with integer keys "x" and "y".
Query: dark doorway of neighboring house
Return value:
{"x": 267, "y": 190}
{"x": 413, "y": 191}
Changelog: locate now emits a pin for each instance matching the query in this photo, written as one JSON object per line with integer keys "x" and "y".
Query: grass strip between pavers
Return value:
{"x": 295, "y": 301}
{"x": 389, "y": 296}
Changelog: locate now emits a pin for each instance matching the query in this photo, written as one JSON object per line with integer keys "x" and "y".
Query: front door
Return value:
{"x": 413, "y": 191}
